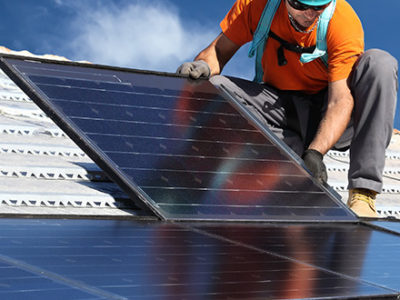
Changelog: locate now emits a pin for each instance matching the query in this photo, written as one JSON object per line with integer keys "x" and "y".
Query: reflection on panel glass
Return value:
{"x": 132, "y": 260}
{"x": 178, "y": 144}
{"x": 353, "y": 250}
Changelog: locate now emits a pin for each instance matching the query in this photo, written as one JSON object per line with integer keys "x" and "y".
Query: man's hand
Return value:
{"x": 314, "y": 162}
{"x": 195, "y": 69}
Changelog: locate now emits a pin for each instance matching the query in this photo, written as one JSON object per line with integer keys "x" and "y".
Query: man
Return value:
{"x": 347, "y": 103}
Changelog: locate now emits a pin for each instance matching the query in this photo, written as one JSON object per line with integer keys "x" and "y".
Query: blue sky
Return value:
{"x": 152, "y": 34}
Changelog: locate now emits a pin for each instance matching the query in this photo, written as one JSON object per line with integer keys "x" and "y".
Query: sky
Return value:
{"x": 153, "y": 34}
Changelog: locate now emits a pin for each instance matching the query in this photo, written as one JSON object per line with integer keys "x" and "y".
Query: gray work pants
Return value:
{"x": 294, "y": 116}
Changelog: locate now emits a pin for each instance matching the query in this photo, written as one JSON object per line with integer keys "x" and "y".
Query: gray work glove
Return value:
{"x": 314, "y": 162}
{"x": 195, "y": 69}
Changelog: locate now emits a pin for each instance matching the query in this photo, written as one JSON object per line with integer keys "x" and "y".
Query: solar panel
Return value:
{"x": 116, "y": 259}
{"x": 187, "y": 152}
{"x": 356, "y": 251}
{"x": 391, "y": 226}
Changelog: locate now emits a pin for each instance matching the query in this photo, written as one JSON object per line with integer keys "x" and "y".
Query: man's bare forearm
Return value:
{"x": 209, "y": 55}
{"x": 218, "y": 53}
{"x": 336, "y": 118}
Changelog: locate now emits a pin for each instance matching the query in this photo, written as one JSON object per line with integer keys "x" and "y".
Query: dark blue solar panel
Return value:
{"x": 186, "y": 151}
{"x": 114, "y": 259}
{"x": 356, "y": 251}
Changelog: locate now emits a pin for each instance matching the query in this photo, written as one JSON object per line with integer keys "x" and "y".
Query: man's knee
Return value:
{"x": 378, "y": 64}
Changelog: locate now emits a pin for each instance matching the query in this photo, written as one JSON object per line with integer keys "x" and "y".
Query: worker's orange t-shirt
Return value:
{"x": 345, "y": 40}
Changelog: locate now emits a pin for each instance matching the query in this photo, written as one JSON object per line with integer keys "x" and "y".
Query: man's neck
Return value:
{"x": 298, "y": 27}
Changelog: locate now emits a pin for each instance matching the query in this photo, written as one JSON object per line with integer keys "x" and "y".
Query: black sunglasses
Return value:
{"x": 300, "y": 6}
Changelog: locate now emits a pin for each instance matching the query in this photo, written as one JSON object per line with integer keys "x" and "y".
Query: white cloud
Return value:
{"x": 59, "y": 2}
{"x": 140, "y": 35}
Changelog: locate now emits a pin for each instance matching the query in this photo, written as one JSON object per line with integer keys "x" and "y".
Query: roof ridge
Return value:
{"x": 27, "y": 53}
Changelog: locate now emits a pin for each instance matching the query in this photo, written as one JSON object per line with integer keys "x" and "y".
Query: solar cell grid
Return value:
{"x": 114, "y": 259}
{"x": 148, "y": 99}
{"x": 357, "y": 251}
{"x": 186, "y": 151}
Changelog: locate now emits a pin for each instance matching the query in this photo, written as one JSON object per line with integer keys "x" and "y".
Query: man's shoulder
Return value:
{"x": 259, "y": 3}
{"x": 252, "y": 8}
{"x": 344, "y": 11}
{"x": 345, "y": 20}
{"x": 254, "y": 4}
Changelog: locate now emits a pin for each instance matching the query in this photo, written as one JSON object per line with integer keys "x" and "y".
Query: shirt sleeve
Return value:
{"x": 236, "y": 24}
{"x": 345, "y": 39}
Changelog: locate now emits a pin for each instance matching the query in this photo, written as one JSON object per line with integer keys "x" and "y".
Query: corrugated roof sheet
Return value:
{"x": 42, "y": 171}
